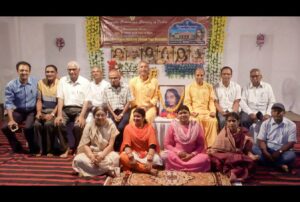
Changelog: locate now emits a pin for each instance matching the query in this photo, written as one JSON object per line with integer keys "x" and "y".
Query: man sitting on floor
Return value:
{"x": 276, "y": 140}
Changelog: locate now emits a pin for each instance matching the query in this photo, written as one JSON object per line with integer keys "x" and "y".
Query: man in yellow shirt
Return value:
{"x": 199, "y": 97}
{"x": 144, "y": 91}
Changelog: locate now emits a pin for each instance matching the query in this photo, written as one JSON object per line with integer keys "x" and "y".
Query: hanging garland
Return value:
{"x": 214, "y": 56}
{"x": 180, "y": 70}
{"x": 93, "y": 42}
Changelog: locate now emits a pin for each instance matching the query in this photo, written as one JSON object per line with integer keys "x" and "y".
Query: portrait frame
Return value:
{"x": 167, "y": 109}
{"x": 185, "y": 50}
{"x": 170, "y": 51}
{"x": 133, "y": 53}
{"x": 145, "y": 56}
{"x": 114, "y": 50}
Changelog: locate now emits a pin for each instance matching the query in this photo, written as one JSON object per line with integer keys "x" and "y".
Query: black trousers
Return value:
{"x": 120, "y": 126}
{"x": 69, "y": 115}
{"x": 28, "y": 119}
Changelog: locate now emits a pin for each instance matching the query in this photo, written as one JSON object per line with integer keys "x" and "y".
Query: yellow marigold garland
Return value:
{"x": 93, "y": 41}
{"x": 214, "y": 57}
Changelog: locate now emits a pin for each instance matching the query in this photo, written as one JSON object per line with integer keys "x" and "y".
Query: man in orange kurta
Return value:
{"x": 199, "y": 97}
{"x": 144, "y": 90}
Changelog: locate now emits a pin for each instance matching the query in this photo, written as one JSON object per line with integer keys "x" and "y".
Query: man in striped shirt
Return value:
{"x": 117, "y": 96}
{"x": 46, "y": 108}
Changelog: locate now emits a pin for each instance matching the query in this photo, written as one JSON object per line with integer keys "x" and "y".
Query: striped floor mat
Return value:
{"x": 25, "y": 170}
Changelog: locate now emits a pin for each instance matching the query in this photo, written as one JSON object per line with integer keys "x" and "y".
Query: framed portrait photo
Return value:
{"x": 171, "y": 97}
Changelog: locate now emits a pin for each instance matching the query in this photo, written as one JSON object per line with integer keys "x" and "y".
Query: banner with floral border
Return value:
{"x": 182, "y": 38}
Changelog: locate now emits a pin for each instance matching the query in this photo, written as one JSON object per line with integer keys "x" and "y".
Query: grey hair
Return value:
{"x": 73, "y": 64}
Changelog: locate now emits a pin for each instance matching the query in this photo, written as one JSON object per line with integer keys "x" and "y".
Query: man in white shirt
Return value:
{"x": 276, "y": 139}
{"x": 71, "y": 93}
{"x": 94, "y": 96}
{"x": 228, "y": 95}
{"x": 257, "y": 100}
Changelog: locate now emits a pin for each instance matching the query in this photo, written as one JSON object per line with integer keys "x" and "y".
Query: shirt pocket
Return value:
{"x": 263, "y": 97}
{"x": 19, "y": 92}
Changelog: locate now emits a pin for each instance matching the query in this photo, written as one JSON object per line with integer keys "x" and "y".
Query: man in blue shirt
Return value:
{"x": 276, "y": 140}
{"x": 20, "y": 104}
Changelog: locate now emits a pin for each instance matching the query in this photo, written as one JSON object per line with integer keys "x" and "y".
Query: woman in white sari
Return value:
{"x": 95, "y": 151}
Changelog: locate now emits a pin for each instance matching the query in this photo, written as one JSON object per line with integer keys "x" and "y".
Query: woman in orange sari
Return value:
{"x": 231, "y": 153}
{"x": 139, "y": 150}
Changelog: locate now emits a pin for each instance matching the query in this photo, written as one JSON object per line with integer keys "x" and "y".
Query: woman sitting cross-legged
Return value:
{"x": 184, "y": 144}
{"x": 139, "y": 149}
{"x": 231, "y": 153}
{"x": 95, "y": 151}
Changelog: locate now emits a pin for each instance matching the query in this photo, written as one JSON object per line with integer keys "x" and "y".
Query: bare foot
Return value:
{"x": 253, "y": 157}
{"x": 154, "y": 172}
{"x": 65, "y": 155}
{"x": 285, "y": 168}
{"x": 49, "y": 155}
{"x": 38, "y": 155}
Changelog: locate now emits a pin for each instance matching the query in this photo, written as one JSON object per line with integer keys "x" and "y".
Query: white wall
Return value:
{"x": 33, "y": 39}
{"x": 278, "y": 58}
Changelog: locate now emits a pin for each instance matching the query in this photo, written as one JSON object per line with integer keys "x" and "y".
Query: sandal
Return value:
{"x": 111, "y": 173}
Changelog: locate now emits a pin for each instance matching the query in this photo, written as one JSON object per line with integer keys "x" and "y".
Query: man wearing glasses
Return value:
{"x": 257, "y": 100}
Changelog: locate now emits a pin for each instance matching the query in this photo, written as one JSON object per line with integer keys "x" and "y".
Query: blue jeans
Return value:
{"x": 221, "y": 120}
{"x": 286, "y": 158}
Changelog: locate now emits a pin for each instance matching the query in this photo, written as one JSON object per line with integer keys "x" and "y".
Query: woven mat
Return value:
{"x": 169, "y": 178}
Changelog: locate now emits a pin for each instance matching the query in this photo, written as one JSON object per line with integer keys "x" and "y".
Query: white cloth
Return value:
{"x": 227, "y": 95}
{"x": 82, "y": 164}
{"x": 156, "y": 159}
{"x": 96, "y": 92}
{"x": 73, "y": 93}
{"x": 256, "y": 99}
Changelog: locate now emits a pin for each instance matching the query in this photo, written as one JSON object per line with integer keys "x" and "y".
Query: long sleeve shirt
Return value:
{"x": 256, "y": 99}
{"x": 21, "y": 96}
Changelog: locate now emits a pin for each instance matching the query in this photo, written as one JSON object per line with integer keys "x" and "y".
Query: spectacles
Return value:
{"x": 255, "y": 76}
{"x": 112, "y": 78}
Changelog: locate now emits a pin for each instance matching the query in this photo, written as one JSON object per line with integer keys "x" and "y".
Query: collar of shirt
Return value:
{"x": 272, "y": 122}
{"x": 122, "y": 85}
{"x": 19, "y": 84}
{"x": 259, "y": 86}
{"x": 98, "y": 84}
{"x": 223, "y": 86}
{"x": 78, "y": 81}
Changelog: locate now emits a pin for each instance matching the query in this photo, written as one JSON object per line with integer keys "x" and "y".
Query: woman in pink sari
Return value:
{"x": 231, "y": 152}
{"x": 184, "y": 144}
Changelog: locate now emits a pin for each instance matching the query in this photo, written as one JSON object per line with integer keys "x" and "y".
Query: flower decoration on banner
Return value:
{"x": 181, "y": 70}
{"x": 60, "y": 43}
{"x": 260, "y": 40}
{"x": 112, "y": 64}
{"x": 214, "y": 54}
{"x": 95, "y": 53}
